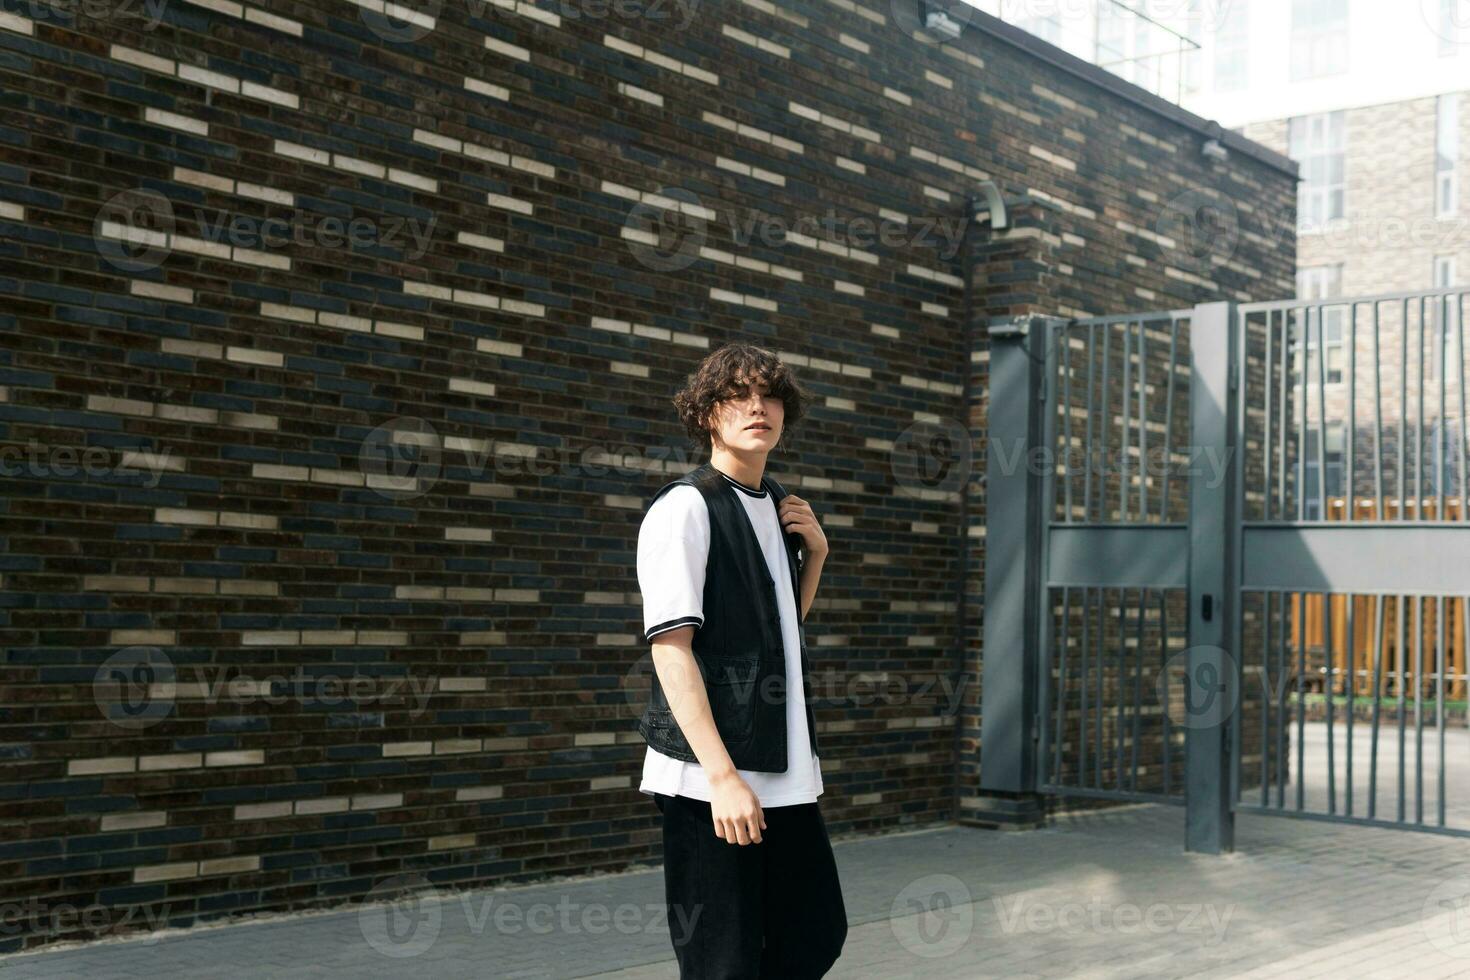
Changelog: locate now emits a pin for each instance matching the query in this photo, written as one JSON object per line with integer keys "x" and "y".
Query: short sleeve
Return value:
{"x": 673, "y": 545}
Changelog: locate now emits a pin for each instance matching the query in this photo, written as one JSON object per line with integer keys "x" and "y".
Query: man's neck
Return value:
{"x": 745, "y": 468}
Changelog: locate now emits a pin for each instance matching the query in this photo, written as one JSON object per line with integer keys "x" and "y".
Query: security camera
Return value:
{"x": 942, "y": 24}
{"x": 1215, "y": 150}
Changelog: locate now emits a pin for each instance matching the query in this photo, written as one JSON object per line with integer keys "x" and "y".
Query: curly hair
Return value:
{"x": 717, "y": 378}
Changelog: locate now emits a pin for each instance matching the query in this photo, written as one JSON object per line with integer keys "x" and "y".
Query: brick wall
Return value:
{"x": 335, "y": 364}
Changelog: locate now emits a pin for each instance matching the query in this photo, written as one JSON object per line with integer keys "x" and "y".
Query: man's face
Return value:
{"x": 750, "y": 422}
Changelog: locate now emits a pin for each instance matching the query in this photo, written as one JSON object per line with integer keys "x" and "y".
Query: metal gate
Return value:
{"x": 1213, "y": 574}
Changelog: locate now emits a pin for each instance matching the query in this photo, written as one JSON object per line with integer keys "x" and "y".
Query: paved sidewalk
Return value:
{"x": 1099, "y": 896}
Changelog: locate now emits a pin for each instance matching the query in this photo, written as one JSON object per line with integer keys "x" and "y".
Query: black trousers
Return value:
{"x": 767, "y": 911}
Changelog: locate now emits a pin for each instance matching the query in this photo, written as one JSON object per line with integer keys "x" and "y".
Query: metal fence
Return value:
{"x": 1239, "y": 579}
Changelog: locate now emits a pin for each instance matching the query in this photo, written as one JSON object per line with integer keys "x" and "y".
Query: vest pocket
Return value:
{"x": 732, "y": 685}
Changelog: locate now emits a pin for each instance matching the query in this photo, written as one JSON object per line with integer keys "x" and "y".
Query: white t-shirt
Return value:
{"x": 673, "y": 546}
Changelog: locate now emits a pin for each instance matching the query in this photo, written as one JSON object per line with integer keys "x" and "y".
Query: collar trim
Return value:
{"x": 742, "y": 487}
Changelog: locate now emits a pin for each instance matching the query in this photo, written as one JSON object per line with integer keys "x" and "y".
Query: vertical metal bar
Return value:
{"x": 1118, "y": 686}
{"x": 1164, "y": 720}
{"x": 1169, "y": 416}
{"x": 1061, "y": 702}
{"x": 1085, "y": 707}
{"x": 1301, "y": 701}
{"x": 1378, "y": 513}
{"x": 1401, "y": 608}
{"x": 1351, "y": 474}
{"x": 1443, "y": 329}
{"x": 1439, "y": 701}
{"x": 1351, "y": 673}
{"x": 1043, "y": 674}
{"x": 1464, "y": 435}
{"x": 1087, "y": 439}
{"x": 1097, "y": 718}
{"x": 1419, "y": 709}
{"x": 1378, "y": 627}
{"x": 1066, "y": 334}
{"x": 1142, "y": 421}
{"x": 1266, "y": 435}
{"x": 1330, "y": 689}
{"x": 1266, "y": 679}
{"x": 1103, "y": 419}
{"x": 1125, "y": 496}
{"x": 1283, "y": 756}
{"x": 1301, "y": 449}
{"x": 1137, "y": 689}
{"x": 1286, "y": 402}
{"x": 1323, "y": 511}
{"x": 1419, "y": 434}
{"x": 1403, "y": 412}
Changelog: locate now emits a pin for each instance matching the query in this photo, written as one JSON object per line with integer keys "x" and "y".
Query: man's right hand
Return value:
{"x": 736, "y": 810}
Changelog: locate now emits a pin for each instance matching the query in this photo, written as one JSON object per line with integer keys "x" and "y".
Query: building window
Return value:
{"x": 1332, "y": 457}
{"x": 1319, "y": 144}
{"x": 1444, "y": 320}
{"x": 1447, "y": 156}
{"x": 1231, "y": 49}
{"x": 1327, "y": 326}
{"x": 1319, "y": 38}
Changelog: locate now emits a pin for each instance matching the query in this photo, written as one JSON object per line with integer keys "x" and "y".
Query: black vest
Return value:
{"x": 739, "y": 649}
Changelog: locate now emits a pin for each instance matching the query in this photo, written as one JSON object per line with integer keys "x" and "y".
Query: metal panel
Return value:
{"x": 1132, "y": 555}
{"x": 1397, "y": 558}
{"x": 1015, "y": 525}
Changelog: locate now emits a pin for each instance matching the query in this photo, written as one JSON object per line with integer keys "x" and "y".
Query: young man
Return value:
{"x": 750, "y": 882}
